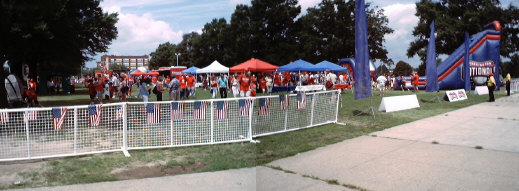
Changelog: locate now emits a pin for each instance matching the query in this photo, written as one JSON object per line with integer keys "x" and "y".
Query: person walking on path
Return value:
{"x": 381, "y": 85}
{"x": 491, "y": 86}
{"x": 222, "y": 82}
{"x": 508, "y": 80}
{"x": 174, "y": 86}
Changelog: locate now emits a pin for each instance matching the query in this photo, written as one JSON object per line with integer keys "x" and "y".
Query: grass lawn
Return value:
{"x": 161, "y": 162}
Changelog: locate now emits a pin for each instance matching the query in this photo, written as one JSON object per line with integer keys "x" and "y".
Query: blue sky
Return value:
{"x": 144, "y": 24}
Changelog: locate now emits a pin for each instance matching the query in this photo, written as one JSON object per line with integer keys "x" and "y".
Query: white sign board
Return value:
{"x": 481, "y": 90}
{"x": 456, "y": 95}
{"x": 397, "y": 103}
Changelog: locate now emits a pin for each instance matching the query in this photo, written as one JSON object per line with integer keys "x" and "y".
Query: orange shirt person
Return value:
{"x": 183, "y": 86}
{"x": 263, "y": 84}
{"x": 244, "y": 80}
{"x": 191, "y": 85}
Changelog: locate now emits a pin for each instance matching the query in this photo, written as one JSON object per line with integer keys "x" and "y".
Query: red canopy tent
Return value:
{"x": 253, "y": 65}
{"x": 137, "y": 73}
{"x": 153, "y": 73}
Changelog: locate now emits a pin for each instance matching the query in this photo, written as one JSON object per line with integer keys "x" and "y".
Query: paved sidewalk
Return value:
{"x": 399, "y": 158}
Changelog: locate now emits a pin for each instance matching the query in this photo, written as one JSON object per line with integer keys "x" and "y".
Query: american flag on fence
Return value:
{"x": 4, "y": 117}
{"x": 199, "y": 108}
{"x": 301, "y": 101}
{"x": 118, "y": 112}
{"x": 222, "y": 109}
{"x": 263, "y": 106}
{"x": 58, "y": 116}
{"x": 283, "y": 101}
{"x": 244, "y": 106}
{"x": 94, "y": 114}
{"x": 152, "y": 113}
{"x": 331, "y": 98}
{"x": 177, "y": 111}
{"x": 30, "y": 116}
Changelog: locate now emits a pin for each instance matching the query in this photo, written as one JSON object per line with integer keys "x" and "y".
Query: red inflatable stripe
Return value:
{"x": 487, "y": 37}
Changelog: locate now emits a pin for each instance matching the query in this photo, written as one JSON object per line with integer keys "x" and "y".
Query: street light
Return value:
{"x": 177, "y": 54}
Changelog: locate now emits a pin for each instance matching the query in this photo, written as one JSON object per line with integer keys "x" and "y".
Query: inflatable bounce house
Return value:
{"x": 483, "y": 56}
{"x": 349, "y": 63}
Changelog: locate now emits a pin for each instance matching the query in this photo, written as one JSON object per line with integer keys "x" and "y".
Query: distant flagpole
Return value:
{"x": 362, "y": 76}
{"x": 432, "y": 75}
{"x": 466, "y": 63}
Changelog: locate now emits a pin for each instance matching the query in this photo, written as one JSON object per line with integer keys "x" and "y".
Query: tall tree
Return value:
{"x": 402, "y": 68}
{"x": 326, "y": 32}
{"x": 57, "y": 36}
{"x": 164, "y": 55}
{"x": 454, "y": 18}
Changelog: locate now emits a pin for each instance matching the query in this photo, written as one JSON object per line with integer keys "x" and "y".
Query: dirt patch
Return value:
{"x": 154, "y": 170}
{"x": 349, "y": 121}
{"x": 9, "y": 172}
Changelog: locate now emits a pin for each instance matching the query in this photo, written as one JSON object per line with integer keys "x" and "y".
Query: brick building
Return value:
{"x": 131, "y": 62}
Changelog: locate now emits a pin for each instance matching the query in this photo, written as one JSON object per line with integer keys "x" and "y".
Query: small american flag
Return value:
{"x": 301, "y": 101}
{"x": 177, "y": 111}
{"x": 331, "y": 98}
{"x": 58, "y": 116}
{"x": 199, "y": 108}
{"x": 244, "y": 106}
{"x": 152, "y": 113}
{"x": 118, "y": 112}
{"x": 30, "y": 116}
{"x": 283, "y": 101}
{"x": 4, "y": 117}
{"x": 263, "y": 106}
{"x": 94, "y": 114}
{"x": 222, "y": 109}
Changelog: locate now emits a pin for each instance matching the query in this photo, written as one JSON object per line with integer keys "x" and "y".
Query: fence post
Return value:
{"x": 286, "y": 112}
{"x": 26, "y": 119}
{"x": 250, "y": 117}
{"x": 312, "y": 109}
{"x": 75, "y": 130}
{"x": 125, "y": 125}
{"x": 170, "y": 125}
{"x": 212, "y": 122}
{"x": 337, "y": 107}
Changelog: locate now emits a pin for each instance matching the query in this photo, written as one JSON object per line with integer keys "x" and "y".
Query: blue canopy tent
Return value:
{"x": 300, "y": 65}
{"x": 331, "y": 66}
{"x": 191, "y": 70}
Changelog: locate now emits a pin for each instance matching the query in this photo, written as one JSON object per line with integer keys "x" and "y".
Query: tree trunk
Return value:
{"x": 3, "y": 91}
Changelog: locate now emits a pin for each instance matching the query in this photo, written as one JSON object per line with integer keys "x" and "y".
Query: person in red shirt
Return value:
{"x": 31, "y": 98}
{"x": 277, "y": 79}
{"x": 183, "y": 86}
{"x": 98, "y": 84}
{"x": 191, "y": 85}
{"x": 286, "y": 79}
{"x": 244, "y": 80}
{"x": 263, "y": 84}
{"x": 416, "y": 78}
{"x": 32, "y": 85}
{"x": 253, "y": 89}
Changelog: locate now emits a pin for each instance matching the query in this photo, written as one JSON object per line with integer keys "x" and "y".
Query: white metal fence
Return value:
{"x": 35, "y": 133}
{"x": 514, "y": 85}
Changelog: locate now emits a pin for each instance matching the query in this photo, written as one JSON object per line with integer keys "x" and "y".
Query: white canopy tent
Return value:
{"x": 214, "y": 67}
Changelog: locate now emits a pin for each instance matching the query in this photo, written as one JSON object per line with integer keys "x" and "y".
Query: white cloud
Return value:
{"x": 138, "y": 34}
{"x": 305, "y": 4}
{"x": 237, "y": 2}
{"x": 402, "y": 20}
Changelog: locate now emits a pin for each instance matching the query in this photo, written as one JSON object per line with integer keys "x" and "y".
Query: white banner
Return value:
{"x": 397, "y": 103}
{"x": 481, "y": 90}
{"x": 456, "y": 95}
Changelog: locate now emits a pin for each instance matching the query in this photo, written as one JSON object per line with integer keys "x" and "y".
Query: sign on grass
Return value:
{"x": 456, "y": 95}
{"x": 397, "y": 103}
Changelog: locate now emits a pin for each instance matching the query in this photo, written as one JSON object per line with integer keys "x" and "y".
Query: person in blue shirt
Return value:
{"x": 222, "y": 84}
{"x": 144, "y": 89}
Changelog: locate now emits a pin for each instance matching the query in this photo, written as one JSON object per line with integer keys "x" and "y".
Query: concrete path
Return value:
{"x": 399, "y": 158}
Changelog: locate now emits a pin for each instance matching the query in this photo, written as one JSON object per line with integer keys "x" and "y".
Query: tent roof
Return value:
{"x": 254, "y": 65}
{"x": 300, "y": 65}
{"x": 214, "y": 67}
{"x": 191, "y": 70}
{"x": 331, "y": 66}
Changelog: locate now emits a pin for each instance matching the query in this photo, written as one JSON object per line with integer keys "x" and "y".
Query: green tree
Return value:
{"x": 327, "y": 32}
{"x": 454, "y": 18}
{"x": 511, "y": 67}
{"x": 164, "y": 55}
{"x": 382, "y": 69}
{"x": 402, "y": 68}
{"x": 57, "y": 36}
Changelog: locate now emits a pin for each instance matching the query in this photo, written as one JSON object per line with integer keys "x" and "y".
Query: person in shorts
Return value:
{"x": 381, "y": 85}
{"x": 244, "y": 81}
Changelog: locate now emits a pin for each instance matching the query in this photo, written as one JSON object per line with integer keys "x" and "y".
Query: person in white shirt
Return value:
{"x": 381, "y": 84}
